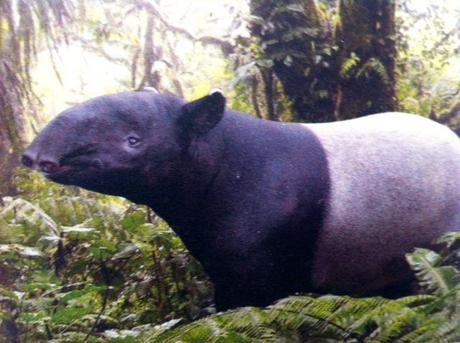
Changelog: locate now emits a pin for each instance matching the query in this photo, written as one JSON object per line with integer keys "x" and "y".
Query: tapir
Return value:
{"x": 269, "y": 208}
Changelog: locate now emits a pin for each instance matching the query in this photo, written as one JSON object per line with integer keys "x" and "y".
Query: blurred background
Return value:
{"x": 76, "y": 266}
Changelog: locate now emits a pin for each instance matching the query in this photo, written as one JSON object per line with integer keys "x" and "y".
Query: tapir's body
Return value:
{"x": 268, "y": 208}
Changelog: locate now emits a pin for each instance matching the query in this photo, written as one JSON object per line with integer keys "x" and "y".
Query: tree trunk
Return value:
{"x": 292, "y": 37}
{"x": 329, "y": 72}
{"x": 8, "y": 161}
{"x": 13, "y": 76}
{"x": 366, "y": 40}
{"x": 151, "y": 78}
{"x": 11, "y": 131}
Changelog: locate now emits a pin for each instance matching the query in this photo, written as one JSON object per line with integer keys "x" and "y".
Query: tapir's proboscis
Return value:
{"x": 270, "y": 209}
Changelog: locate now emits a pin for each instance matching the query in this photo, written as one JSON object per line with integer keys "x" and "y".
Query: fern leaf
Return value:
{"x": 450, "y": 239}
{"x": 437, "y": 279}
{"x": 393, "y": 325}
{"x": 375, "y": 66}
{"x": 349, "y": 64}
{"x": 312, "y": 317}
{"x": 25, "y": 211}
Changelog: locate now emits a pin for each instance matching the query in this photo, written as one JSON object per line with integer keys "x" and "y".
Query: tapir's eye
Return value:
{"x": 133, "y": 141}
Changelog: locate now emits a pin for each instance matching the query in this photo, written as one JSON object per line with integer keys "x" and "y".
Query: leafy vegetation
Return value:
{"x": 430, "y": 317}
{"x": 74, "y": 264}
{"x": 428, "y": 46}
{"x": 76, "y": 267}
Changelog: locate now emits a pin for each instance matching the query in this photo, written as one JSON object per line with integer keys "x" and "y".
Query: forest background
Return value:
{"x": 77, "y": 266}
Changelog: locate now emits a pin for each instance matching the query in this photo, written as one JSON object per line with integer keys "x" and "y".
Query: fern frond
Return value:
{"x": 449, "y": 331}
{"x": 24, "y": 211}
{"x": 376, "y": 66}
{"x": 435, "y": 278}
{"x": 450, "y": 239}
{"x": 392, "y": 325}
{"x": 434, "y": 328}
{"x": 250, "y": 322}
{"x": 203, "y": 330}
{"x": 319, "y": 316}
{"x": 423, "y": 332}
{"x": 349, "y": 64}
{"x": 73, "y": 210}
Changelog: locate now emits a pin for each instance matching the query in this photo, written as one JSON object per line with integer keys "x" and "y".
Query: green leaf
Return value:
{"x": 77, "y": 229}
{"x": 450, "y": 239}
{"x": 65, "y": 297}
{"x": 435, "y": 278}
{"x": 126, "y": 250}
{"x": 68, "y": 315}
{"x": 30, "y": 252}
{"x": 33, "y": 317}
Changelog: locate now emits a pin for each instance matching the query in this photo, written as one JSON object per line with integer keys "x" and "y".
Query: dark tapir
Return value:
{"x": 268, "y": 208}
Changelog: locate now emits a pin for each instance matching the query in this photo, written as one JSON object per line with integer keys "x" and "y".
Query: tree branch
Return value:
{"x": 89, "y": 46}
{"x": 226, "y": 46}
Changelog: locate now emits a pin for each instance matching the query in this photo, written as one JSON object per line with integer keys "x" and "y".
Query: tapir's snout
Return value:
{"x": 44, "y": 164}
{"x": 28, "y": 159}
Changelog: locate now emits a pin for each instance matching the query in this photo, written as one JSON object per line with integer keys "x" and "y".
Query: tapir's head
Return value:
{"x": 107, "y": 143}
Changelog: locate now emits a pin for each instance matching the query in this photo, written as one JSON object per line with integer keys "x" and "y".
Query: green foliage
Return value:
{"x": 433, "y": 317}
{"x": 292, "y": 40}
{"x": 75, "y": 265}
{"x": 348, "y": 64}
{"x": 373, "y": 65}
{"x": 349, "y": 68}
{"x": 427, "y": 61}
{"x": 306, "y": 318}
{"x": 432, "y": 275}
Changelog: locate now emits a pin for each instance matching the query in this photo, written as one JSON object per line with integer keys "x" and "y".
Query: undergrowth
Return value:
{"x": 80, "y": 267}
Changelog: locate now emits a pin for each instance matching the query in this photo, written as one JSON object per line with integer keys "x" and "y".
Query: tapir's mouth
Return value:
{"x": 73, "y": 164}
{"x": 64, "y": 174}
{"x": 72, "y": 170}
{"x": 55, "y": 170}
{"x": 80, "y": 166}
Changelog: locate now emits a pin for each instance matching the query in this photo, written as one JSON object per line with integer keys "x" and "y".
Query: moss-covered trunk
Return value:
{"x": 11, "y": 132}
{"x": 15, "y": 52}
{"x": 8, "y": 161}
{"x": 331, "y": 67}
{"x": 296, "y": 43}
{"x": 366, "y": 40}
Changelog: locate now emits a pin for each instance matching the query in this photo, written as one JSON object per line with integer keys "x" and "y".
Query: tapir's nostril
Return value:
{"x": 48, "y": 167}
{"x": 27, "y": 160}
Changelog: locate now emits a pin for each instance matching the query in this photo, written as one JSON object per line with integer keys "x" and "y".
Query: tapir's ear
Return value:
{"x": 201, "y": 115}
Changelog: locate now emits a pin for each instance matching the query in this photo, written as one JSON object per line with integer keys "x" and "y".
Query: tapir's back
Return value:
{"x": 395, "y": 185}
